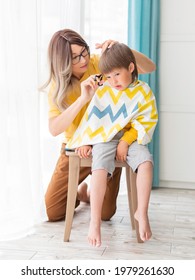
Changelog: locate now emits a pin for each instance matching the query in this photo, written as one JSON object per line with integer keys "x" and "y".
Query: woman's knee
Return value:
{"x": 54, "y": 216}
{"x": 107, "y": 214}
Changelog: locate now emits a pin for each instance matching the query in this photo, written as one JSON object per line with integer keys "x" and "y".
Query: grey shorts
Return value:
{"x": 103, "y": 155}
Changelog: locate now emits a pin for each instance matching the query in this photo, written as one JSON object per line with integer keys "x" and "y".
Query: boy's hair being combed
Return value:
{"x": 117, "y": 56}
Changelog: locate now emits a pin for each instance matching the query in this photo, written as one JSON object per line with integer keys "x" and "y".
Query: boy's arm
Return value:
{"x": 144, "y": 121}
{"x": 146, "y": 118}
{"x": 130, "y": 136}
{"x": 126, "y": 140}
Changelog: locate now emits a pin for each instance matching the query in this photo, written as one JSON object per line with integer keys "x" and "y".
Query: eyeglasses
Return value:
{"x": 84, "y": 53}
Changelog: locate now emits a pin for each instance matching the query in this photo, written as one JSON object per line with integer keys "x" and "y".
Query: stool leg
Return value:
{"x": 129, "y": 197}
{"x": 73, "y": 178}
{"x": 134, "y": 202}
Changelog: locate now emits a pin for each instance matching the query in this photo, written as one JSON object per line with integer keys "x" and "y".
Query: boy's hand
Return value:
{"x": 84, "y": 151}
{"x": 122, "y": 151}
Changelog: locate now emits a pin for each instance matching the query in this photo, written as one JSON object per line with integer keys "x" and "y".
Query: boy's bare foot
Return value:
{"x": 83, "y": 193}
{"x": 94, "y": 235}
{"x": 144, "y": 226}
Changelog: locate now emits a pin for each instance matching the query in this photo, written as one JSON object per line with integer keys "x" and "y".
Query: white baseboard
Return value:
{"x": 177, "y": 185}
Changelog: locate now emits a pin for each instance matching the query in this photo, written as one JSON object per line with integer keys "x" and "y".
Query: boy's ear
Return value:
{"x": 131, "y": 67}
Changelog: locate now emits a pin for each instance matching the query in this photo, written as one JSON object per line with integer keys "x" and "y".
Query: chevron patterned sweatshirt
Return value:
{"x": 132, "y": 110}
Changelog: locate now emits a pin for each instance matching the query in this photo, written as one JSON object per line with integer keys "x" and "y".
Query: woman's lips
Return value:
{"x": 84, "y": 66}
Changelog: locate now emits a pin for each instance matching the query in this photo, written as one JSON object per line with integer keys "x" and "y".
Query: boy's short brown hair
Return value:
{"x": 117, "y": 56}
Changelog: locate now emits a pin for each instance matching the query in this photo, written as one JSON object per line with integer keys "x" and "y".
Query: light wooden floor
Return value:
{"x": 172, "y": 217}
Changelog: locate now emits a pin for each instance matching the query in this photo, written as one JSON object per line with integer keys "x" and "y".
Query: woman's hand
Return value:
{"x": 84, "y": 151}
{"x": 122, "y": 151}
{"x": 88, "y": 88}
{"x": 106, "y": 44}
{"x": 60, "y": 123}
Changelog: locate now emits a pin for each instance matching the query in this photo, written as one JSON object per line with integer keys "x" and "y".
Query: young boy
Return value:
{"x": 118, "y": 123}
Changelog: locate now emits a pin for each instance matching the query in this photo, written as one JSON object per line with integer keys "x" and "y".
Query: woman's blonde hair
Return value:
{"x": 60, "y": 66}
{"x": 118, "y": 56}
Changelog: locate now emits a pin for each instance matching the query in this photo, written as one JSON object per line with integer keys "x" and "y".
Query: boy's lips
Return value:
{"x": 118, "y": 86}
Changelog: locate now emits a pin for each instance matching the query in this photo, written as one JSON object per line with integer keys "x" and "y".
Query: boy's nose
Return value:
{"x": 114, "y": 81}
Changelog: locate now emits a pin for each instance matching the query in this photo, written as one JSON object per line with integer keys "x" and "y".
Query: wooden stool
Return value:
{"x": 75, "y": 162}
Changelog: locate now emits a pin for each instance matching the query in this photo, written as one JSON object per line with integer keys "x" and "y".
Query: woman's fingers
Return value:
{"x": 106, "y": 44}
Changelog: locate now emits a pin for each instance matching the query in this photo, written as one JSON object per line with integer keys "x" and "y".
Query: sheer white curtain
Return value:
{"x": 25, "y": 30}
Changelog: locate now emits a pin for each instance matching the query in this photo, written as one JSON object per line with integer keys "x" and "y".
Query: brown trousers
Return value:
{"x": 56, "y": 194}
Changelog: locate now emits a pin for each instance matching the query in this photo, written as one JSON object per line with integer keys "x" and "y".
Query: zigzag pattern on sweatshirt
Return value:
{"x": 108, "y": 110}
{"x": 111, "y": 110}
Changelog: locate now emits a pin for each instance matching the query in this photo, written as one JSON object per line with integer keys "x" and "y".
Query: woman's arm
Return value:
{"x": 59, "y": 124}
{"x": 144, "y": 63}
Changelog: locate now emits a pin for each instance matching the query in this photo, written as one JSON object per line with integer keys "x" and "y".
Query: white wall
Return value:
{"x": 105, "y": 20}
{"x": 177, "y": 90}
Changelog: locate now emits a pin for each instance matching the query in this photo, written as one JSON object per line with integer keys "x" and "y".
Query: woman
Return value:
{"x": 70, "y": 68}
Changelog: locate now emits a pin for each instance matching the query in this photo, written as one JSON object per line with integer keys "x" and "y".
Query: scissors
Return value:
{"x": 98, "y": 78}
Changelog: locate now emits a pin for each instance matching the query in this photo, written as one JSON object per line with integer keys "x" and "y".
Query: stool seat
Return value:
{"x": 75, "y": 162}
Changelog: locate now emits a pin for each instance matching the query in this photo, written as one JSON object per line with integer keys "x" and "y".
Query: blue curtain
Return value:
{"x": 143, "y": 36}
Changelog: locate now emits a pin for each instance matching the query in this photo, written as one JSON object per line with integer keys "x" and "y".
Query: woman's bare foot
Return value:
{"x": 144, "y": 226}
{"x": 94, "y": 235}
{"x": 83, "y": 193}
